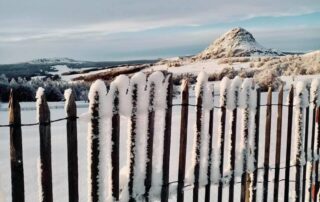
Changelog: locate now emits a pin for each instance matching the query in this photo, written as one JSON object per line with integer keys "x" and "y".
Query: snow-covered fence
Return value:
{"x": 236, "y": 150}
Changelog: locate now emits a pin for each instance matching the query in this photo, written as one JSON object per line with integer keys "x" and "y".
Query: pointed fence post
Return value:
{"x": 167, "y": 142}
{"x": 278, "y": 147}
{"x": 313, "y": 136}
{"x": 16, "y": 154}
{"x": 289, "y": 142}
{"x": 72, "y": 146}
{"x": 198, "y": 145}
{"x": 94, "y": 152}
{"x": 45, "y": 147}
{"x": 306, "y": 140}
{"x": 267, "y": 146}
{"x": 115, "y": 135}
{"x": 150, "y": 136}
{"x": 208, "y": 186}
{"x": 256, "y": 150}
{"x": 183, "y": 139}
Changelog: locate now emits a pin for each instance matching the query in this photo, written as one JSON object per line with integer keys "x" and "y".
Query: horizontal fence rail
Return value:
{"x": 231, "y": 150}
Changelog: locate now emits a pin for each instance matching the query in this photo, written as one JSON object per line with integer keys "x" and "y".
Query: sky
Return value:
{"x": 102, "y": 30}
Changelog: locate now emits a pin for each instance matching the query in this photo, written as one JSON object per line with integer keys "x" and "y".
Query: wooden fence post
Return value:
{"x": 256, "y": 150}
{"x": 133, "y": 121}
{"x": 150, "y": 137}
{"x": 278, "y": 147}
{"x": 233, "y": 148}
{"x": 94, "y": 149}
{"x": 222, "y": 137}
{"x": 306, "y": 140}
{"x": 16, "y": 154}
{"x": 288, "y": 152}
{"x": 183, "y": 139}
{"x": 198, "y": 144}
{"x": 313, "y": 134}
{"x": 316, "y": 168}
{"x": 207, "y": 193}
{"x": 115, "y": 135}
{"x": 267, "y": 146}
{"x": 45, "y": 149}
{"x": 72, "y": 145}
{"x": 167, "y": 143}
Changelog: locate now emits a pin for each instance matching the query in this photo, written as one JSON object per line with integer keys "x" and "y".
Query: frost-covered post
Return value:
{"x": 167, "y": 142}
{"x": 289, "y": 140}
{"x": 150, "y": 137}
{"x": 233, "y": 98}
{"x": 95, "y": 156}
{"x": 247, "y": 106}
{"x": 314, "y": 101}
{"x": 183, "y": 139}
{"x": 300, "y": 102}
{"x": 115, "y": 136}
{"x": 45, "y": 147}
{"x": 199, "y": 100}
{"x": 16, "y": 154}
{"x": 72, "y": 145}
{"x": 225, "y": 83}
{"x": 267, "y": 146}
{"x": 278, "y": 146}
{"x": 256, "y": 143}
{"x": 306, "y": 166}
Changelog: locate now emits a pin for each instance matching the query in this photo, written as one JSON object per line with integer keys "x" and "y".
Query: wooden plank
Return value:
{"x": 222, "y": 137}
{"x": 150, "y": 136}
{"x": 256, "y": 150}
{"x": 278, "y": 147}
{"x": 16, "y": 154}
{"x": 245, "y": 192}
{"x": 233, "y": 149}
{"x": 133, "y": 134}
{"x": 72, "y": 147}
{"x": 289, "y": 143}
{"x": 115, "y": 135}
{"x": 94, "y": 149}
{"x": 313, "y": 134}
{"x": 167, "y": 143}
{"x": 317, "y": 183}
{"x": 198, "y": 145}
{"x": 267, "y": 145}
{"x": 306, "y": 139}
{"x": 183, "y": 139}
{"x": 45, "y": 150}
{"x": 208, "y": 186}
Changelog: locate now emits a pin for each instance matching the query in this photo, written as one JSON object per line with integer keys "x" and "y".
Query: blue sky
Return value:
{"x": 126, "y": 29}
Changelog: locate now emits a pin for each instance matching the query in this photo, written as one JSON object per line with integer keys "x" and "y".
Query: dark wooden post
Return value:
{"x": 150, "y": 136}
{"x": 167, "y": 143}
{"x": 45, "y": 149}
{"x": 198, "y": 145}
{"x": 72, "y": 145}
{"x": 256, "y": 150}
{"x": 133, "y": 135}
{"x": 94, "y": 150}
{"x": 305, "y": 177}
{"x": 278, "y": 147}
{"x": 183, "y": 139}
{"x": 267, "y": 146}
{"x": 115, "y": 135}
{"x": 222, "y": 137}
{"x": 317, "y": 149}
{"x": 16, "y": 154}
{"x": 233, "y": 148}
{"x": 313, "y": 135}
{"x": 207, "y": 193}
{"x": 288, "y": 152}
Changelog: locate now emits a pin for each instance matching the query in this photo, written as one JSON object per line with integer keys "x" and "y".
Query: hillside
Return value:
{"x": 237, "y": 42}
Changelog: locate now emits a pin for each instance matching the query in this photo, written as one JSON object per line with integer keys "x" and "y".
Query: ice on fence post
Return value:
{"x": 39, "y": 95}
{"x": 315, "y": 102}
{"x": 216, "y": 156}
{"x": 98, "y": 88}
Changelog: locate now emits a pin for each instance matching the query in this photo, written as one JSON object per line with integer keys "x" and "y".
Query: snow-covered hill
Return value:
{"x": 237, "y": 42}
{"x": 54, "y": 61}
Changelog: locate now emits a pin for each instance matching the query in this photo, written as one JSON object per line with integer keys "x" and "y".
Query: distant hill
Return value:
{"x": 237, "y": 42}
